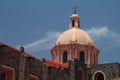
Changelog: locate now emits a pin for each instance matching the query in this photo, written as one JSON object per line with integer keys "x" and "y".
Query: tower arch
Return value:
{"x": 99, "y": 75}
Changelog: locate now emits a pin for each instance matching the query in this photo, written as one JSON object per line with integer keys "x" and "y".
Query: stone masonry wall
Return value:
{"x": 34, "y": 67}
{"x": 10, "y": 57}
{"x": 111, "y": 70}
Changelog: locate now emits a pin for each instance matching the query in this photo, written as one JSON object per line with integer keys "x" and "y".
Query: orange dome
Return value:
{"x": 75, "y": 34}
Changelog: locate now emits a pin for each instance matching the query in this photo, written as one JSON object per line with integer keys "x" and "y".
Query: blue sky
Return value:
{"x": 36, "y": 24}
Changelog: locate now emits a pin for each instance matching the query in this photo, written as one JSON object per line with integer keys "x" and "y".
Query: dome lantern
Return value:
{"x": 74, "y": 20}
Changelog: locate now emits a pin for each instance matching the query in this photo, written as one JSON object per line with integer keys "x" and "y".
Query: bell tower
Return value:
{"x": 75, "y": 43}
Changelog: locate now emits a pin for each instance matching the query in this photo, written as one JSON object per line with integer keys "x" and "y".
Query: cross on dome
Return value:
{"x": 75, "y": 9}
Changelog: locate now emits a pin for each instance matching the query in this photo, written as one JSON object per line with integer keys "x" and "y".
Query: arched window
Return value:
{"x": 65, "y": 54}
{"x": 82, "y": 56}
{"x": 99, "y": 76}
{"x": 73, "y": 23}
{"x": 94, "y": 59}
{"x": 78, "y": 24}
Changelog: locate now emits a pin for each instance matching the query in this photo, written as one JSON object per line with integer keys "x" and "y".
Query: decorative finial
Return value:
{"x": 43, "y": 59}
{"x": 75, "y": 9}
{"x": 22, "y": 49}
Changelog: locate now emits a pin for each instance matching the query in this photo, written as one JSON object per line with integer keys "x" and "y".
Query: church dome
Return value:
{"x": 74, "y": 33}
{"x": 74, "y": 15}
{"x": 75, "y": 43}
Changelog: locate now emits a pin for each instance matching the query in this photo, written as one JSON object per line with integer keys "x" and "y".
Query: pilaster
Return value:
{"x": 44, "y": 71}
{"x": 72, "y": 69}
{"x": 0, "y": 65}
{"x": 22, "y": 67}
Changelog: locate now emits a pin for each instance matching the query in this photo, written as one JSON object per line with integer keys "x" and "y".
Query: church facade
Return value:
{"x": 74, "y": 57}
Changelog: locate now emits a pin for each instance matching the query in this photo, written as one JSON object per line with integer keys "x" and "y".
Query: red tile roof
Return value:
{"x": 49, "y": 62}
{"x": 116, "y": 78}
{"x": 3, "y": 44}
{"x": 26, "y": 54}
{"x": 55, "y": 64}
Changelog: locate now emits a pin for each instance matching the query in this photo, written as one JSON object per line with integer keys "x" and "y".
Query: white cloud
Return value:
{"x": 33, "y": 44}
{"x": 103, "y": 33}
{"x": 44, "y": 43}
{"x": 100, "y": 31}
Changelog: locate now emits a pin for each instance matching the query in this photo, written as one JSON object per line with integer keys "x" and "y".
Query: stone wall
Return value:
{"x": 111, "y": 70}
{"x": 75, "y": 66}
{"x": 10, "y": 58}
{"x": 57, "y": 73}
{"x": 21, "y": 63}
{"x": 34, "y": 67}
{"x": 25, "y": 66}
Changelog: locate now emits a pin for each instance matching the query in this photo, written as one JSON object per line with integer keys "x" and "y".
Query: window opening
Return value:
{"x": 65, "y": 54}
{"x": 78, "y": 24}
{"x": 94, "y": 59}
{"x": 82, "y": 56}
{"x": 73, "y": 23}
